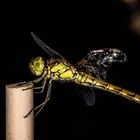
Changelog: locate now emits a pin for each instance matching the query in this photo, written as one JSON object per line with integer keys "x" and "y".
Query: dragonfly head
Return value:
{"x": 37, "y": 65}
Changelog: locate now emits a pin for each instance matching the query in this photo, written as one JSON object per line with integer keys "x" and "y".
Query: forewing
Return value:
{"x": 97, "y": 62}
{"x": 90, "y": 66}
{"x": 52, "y": 53}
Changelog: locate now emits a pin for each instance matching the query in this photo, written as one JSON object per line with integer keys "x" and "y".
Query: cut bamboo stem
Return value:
{"x": 18, "y": 103}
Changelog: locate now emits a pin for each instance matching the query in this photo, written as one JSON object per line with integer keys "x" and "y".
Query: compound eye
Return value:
{"x": 37, "y": 65}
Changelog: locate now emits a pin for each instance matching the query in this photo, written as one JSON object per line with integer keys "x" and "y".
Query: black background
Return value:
{"x": 72, "y": 30}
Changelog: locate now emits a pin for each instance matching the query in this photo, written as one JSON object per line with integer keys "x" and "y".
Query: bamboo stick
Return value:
{"x": 18, "y": 104}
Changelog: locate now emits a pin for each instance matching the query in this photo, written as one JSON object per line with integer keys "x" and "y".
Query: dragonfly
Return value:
{"x": 88, "y": 74}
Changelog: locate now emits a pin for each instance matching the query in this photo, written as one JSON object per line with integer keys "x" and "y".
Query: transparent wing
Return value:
{"x": 97, "y": 62}
{"x": 86, "y": 94}
{"x": 46, "y": 48}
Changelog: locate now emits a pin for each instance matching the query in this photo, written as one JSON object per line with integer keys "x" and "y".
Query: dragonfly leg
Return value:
{"x": 42, "y": 87}
{"x": 42, "y": 104}
{"x": 35, "y": 81}
{"x": 47, "y": 97}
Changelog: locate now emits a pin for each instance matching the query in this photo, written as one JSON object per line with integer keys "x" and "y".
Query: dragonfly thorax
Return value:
{"x": 37, "y": 66}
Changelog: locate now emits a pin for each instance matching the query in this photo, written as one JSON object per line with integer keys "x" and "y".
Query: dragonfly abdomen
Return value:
{"x": 118, "y": 91}
{"x": 87, "y": 80}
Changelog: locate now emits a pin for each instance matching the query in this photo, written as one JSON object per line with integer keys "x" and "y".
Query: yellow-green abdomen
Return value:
{"x": 87, "y": 80}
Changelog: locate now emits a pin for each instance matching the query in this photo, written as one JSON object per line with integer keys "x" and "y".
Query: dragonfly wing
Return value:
{"x": 97, "y": 62}
{"x": 86, "y": 94}
{"x": 46, "y": 48}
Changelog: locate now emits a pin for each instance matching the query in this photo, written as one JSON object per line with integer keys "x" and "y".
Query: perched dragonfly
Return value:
{"x": 89, "y": 73}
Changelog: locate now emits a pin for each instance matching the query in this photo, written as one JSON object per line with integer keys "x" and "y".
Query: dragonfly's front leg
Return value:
{"x": 37, "y": 81}
{"x": 42, "y": 87}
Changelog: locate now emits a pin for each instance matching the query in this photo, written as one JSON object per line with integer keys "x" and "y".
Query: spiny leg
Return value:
{"x": 36, "y": 81}
{"x": 46, "y": 99}
{"x": 42, "y": 87}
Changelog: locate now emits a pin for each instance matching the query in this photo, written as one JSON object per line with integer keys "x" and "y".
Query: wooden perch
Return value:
{"x": 18, "y": 103}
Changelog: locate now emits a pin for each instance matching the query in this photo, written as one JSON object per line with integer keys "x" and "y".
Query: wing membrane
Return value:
{"x": 46, "y": 48}
{"x": 97, "y": 62}
{"x": 86, "y": 94}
